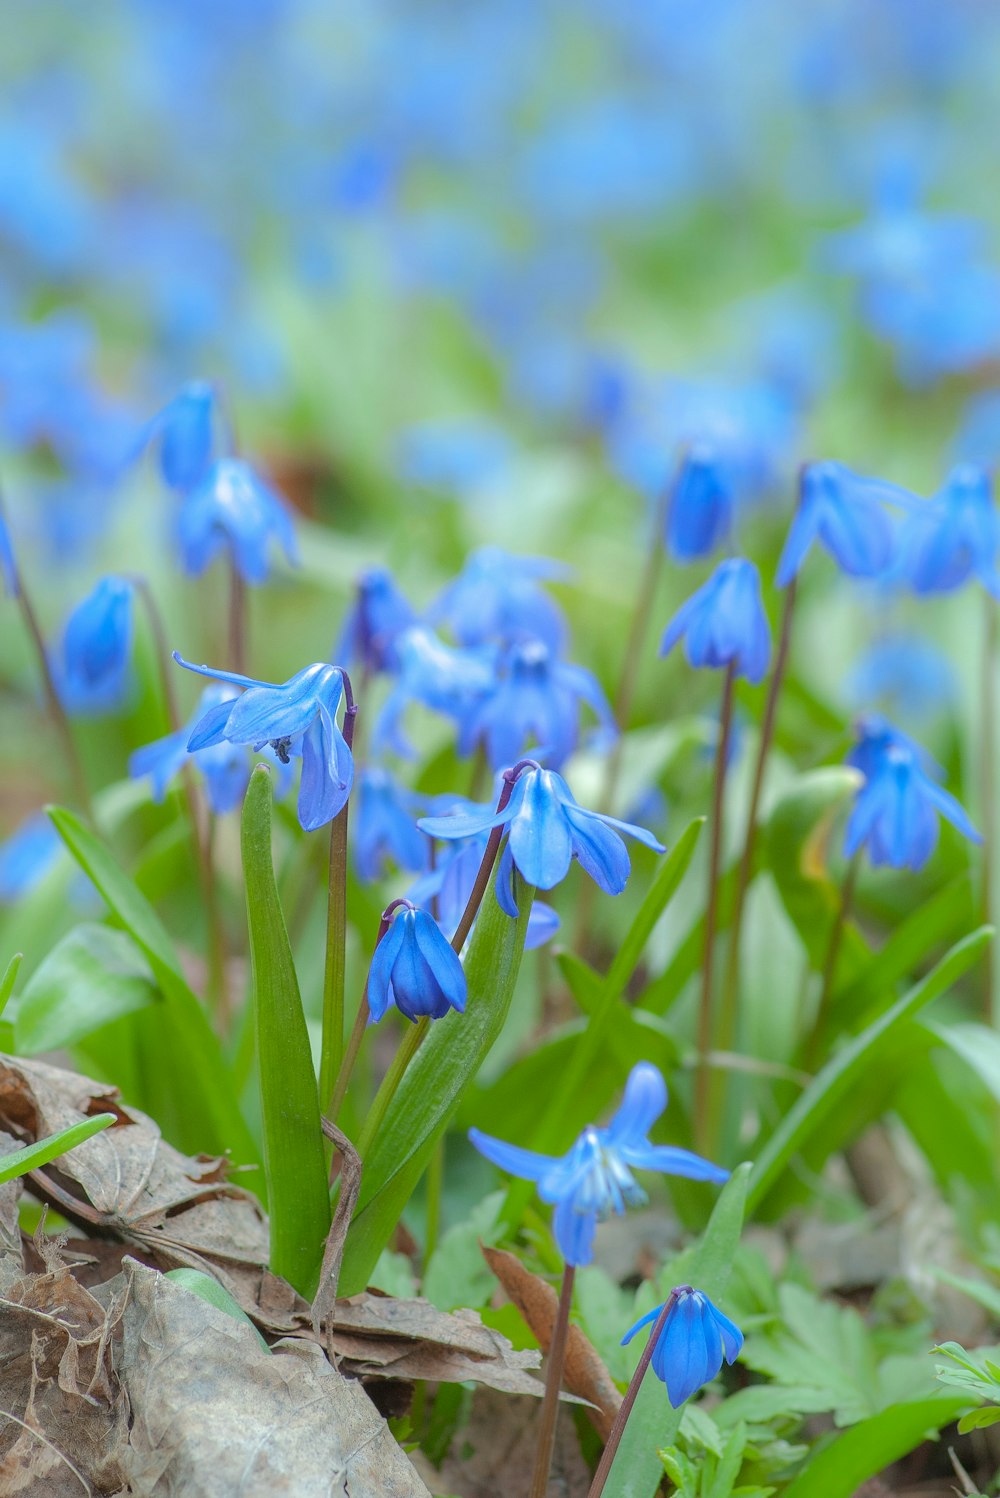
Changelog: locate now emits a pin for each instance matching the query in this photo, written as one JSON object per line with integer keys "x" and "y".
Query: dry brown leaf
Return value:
{"x": 493, "y": 1455}
{"x": 585, "y": 1373}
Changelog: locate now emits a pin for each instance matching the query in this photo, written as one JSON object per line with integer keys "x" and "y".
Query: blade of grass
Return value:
{"x": 33, "y": 1156}
{"x": 839, "y": 1469}
{"x": 298, "y": 1196}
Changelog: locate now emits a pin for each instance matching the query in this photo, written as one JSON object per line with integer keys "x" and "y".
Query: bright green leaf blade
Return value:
{"x": 655, "y": 901}
{"x": 637, "y": 1469}
{"x": 839, "y": 1469}
{"x": 210, "y": 1119}
{"x": 43, "y": 1151}
{"x": 9, "y": 979}
{"x": 93, "y": 976}
{"x": 447, "y": 1061}
{"x": 209, "y": 1289}
{"x": 843, "y": 1072}
{"x": 298, "y": 1195}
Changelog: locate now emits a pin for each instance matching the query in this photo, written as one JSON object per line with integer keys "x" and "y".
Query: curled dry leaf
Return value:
{"x": 585, "y": 1372}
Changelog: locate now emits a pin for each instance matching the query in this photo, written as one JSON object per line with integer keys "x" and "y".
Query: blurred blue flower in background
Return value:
{"x": 415, "y": 969}
{"x": 27, "y": 856}
{"x": 844, "y": 512}
{"x": 903, "y": 675}
{"x": 436, "y": 675}
{"x": 185, "y": 431}
{"x": 594, "y": 1178}
{"x": 535, "y": 700}
{"x": 91, "y": 665}
{"x": 383, "y": 827}
{"x": 232, "y": 510}
{"x": 723, "y": 624}
{"x": 955, "y": 536}
{"x": 700, "y": 508}
{"x": 377, "y": 616}
{"x": 695, "y": 1339}
{"x": 298, "y": 719}
{"x": 455, "y": 458}
{"x": 895, "y": 816}
{"x": 496, "y": 600}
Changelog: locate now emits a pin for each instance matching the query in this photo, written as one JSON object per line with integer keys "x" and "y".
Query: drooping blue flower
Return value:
{"x": 438, "y": 676}
{"x": 875, "y": 737}
{"x": 844, "y": 512}
{"x": 535, "y": 701}
{"x": 701, "y": 504}
{"x": 723, "y": 624}
{"x": 896, "y": 813}
{"x": 415, "y": 968}
{"x": 954, "y": 536}
{"x": 547, "y": 829}
{"x": 594, "y": 1178}
{"x": 27, "y": 856}
{"x": 92, "y": 664}
{"x": 185, "y": 431}
{"x": 224, "y": 766}
{"x": 298, "y": 719}
{"x": 377, "y": 616}
{"x": 496, "y": 600}
{"x": 691, "y": 1346}
{"x": 232, "y": 510}
{"x": 383, "y": 827}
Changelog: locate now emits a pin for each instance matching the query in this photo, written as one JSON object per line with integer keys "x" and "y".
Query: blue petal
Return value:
{"x": 543, "y": 923}
{"x": 644, "y": 1100}
{"x": 732, "y": 1337}
{"x": 540, "y": 839}
{"x": 161, "y": 761}
{"x": 681, "y": 1357}
{"x": 574, "y": 1232}
{"x": 523, "y": 1163}
{"x": 442, "y": 959}
{"x": 953, "y": 810}
{"x": 471, "y": 824}
{"x": 327, "y": 772}
{"x": 600, "y": 851}
{"x": 673, "y": 1161}
{"x": 211, "y": 727}
{"x": 801, "y": 535}
{"x": 230, "y": 676}
{"x": 649, "y": 1317}
{"x": 640, "y": 834}
{"x": 505, "y": 883}
{"x": 380, "y": 972}
{"x": 268, "y": 712}
{"x": 679, "y": 623}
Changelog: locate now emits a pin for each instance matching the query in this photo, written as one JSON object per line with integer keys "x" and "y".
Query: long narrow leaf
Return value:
{"x": 844, "y": 1070}
{"x": 839, "y": 1469}
{"x": 32, "y": 1156}
{"x": 298, "y": 1196}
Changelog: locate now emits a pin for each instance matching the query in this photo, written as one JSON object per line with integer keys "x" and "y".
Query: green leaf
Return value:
{"x": 430, "y": 1091}
{"x": 298, "y": 1194}
{"x": 32, "y": 1156}
{"x": 653, "y": 1424}
{"x": 207, "y": 1116}
{"x": 978, "y": 1420}
{"x": 839, "y": 1469}
{"x": 91, "y": 977}
{"x": 209, "y": 1289}
{"x": 9, "y": 979}
{"x": 457, "y": 1274}
{"x": 795, "y": 851}
{"x": 842, "y": 1074}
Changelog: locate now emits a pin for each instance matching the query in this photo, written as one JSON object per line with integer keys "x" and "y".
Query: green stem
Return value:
{"x": 987, "y": 755}
{"x": 811, "y": 1053}
{"x": 553, "y": 1383}
{"x": 729, "y": 1006}
{"x": 632, "y": 1393}
{"x": 701, "y": 1118}
{"x": 332, "y": 1044}
{"x": 435, "y": 1188}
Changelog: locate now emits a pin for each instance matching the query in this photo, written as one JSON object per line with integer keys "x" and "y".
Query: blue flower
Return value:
{"x": 185, "y": 431}
{"x": 547, "y": 830}
{"x": 702, "y": 500}
{"x": 415, "y": 968}
{"x": 724, "y": 624}
{"x": 496, "y": 599}
{"x": 233, "y": 510}
{"x": 378, "y": 615}
{"x": 436, "y": 675}
{"x": 693, "y": 1341}
{"x": 27, "y": 856}
{"x": 896, "y": 813}
{"x": 383, "y": 826}
{"x": 953, "y": 537}
{"x": 876, "y": 736}
{"x": 594, "y": 1179}
{"x": 92, "y": 664}
{"x": 535, "y": 700}
{"x": 845, "y": 513}
{"x": 225, "y": 766}
{"x": 298, "y": 719}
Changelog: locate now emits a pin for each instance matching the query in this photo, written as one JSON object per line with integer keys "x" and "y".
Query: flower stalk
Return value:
{"x": 631, "y": 1395}
{"x": 701, "y": 1117}
{"x": 332, "y": 1045}
{"x": 553, "y": 1384}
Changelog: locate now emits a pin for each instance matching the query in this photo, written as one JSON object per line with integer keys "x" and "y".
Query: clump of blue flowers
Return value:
{"x": 594, "y": 1179}
{"x": 692, "y": 1343}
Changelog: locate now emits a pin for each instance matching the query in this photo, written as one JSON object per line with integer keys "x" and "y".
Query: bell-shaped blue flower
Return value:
{"x": 535, "y": 701}
{"x": 27, "y": 856}
{"x": 438, "y": 676}
{"x": 594, "y": 1179}
{"x": 896, "y": 814}
{"x": 547, "y": 829}
{"x": 701, "y": 504}
{"x": 92, "y": 666}
{"x": 415, "y": 968}
{"x": 377, "y": 616}
{"x": 845, "y": 513}
{"x": 496, "y": 599}
{"x": 692, "y": 1344}
{"x": 723, "y": 624}
{"x": 185, "y": 430}
{"x": 232, "y": 510}
{"x": 953, "y": 537}
{"x": 298, "y": 720}
{"x": 383, "y": 828}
